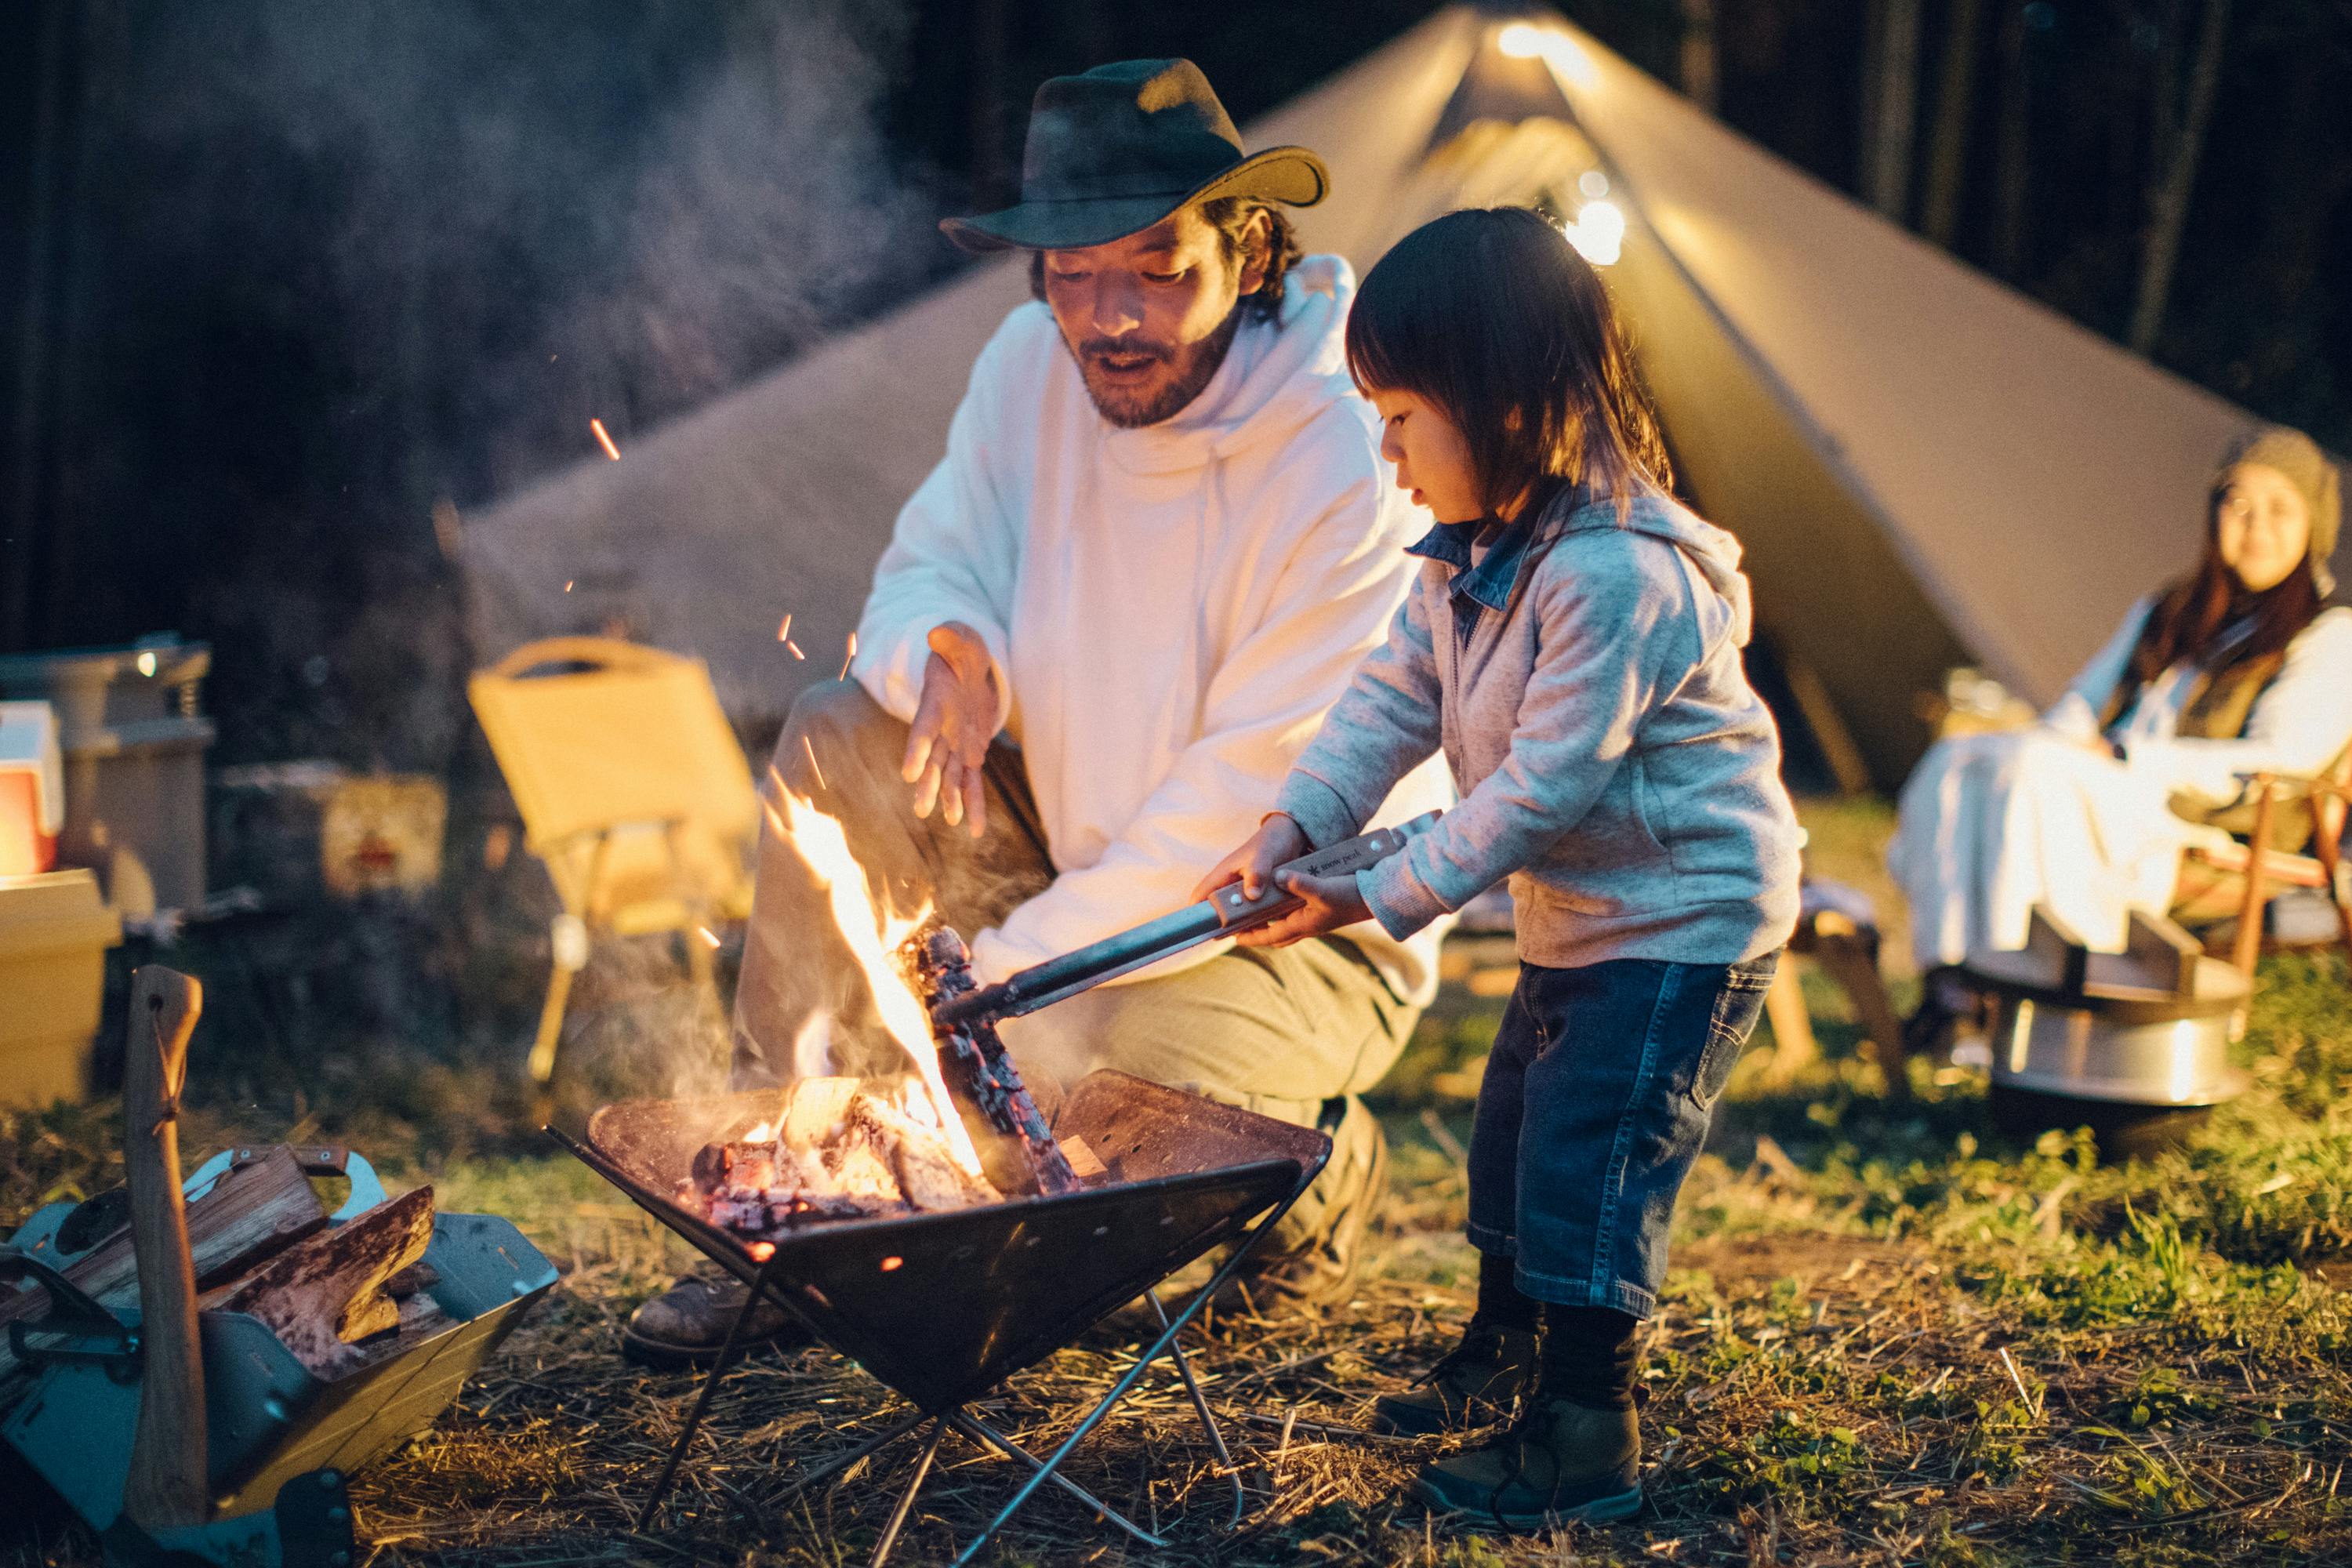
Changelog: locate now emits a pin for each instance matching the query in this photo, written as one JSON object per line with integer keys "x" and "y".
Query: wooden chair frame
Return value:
{"x": 2267, "y": 871}
{"x": 688, "y": 901}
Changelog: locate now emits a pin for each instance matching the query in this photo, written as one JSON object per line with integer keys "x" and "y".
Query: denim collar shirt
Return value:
{"x": 1480, "y": 583}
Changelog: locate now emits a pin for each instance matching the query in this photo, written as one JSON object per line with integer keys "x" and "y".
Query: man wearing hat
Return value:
{"x": 1160, "y": 541}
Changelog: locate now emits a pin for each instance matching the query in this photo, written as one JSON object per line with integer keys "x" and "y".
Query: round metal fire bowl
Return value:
{"x": 2085, "y": 1051}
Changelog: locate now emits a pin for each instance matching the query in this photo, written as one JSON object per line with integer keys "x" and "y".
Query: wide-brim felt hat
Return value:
{"x": 1114, "y": 150}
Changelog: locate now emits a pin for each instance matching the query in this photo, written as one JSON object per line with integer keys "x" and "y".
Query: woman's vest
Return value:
{"x": 2221, "y": 701}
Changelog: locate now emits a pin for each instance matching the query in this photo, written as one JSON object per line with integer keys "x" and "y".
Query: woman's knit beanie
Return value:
{"x": 2306, "y": 468}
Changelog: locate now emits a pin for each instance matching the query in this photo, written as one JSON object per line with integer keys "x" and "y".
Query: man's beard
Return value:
{"x": 1130, "y": 407}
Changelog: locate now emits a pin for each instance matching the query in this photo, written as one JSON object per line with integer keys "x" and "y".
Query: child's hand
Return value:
{"x": 1277, "y": 839}
{"x": 1330, "y": 903}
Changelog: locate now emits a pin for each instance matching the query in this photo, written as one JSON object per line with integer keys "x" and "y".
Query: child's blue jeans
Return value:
{"x": 1596, "y": 1099}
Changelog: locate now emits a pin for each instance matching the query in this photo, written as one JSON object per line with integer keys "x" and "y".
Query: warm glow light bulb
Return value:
{"x": 1520, "y": 41}
{"x": 1598, "y": 233}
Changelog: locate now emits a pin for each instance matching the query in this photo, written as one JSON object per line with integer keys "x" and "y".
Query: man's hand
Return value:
{"x": 1329, "y": 902}
{"x": 946, "y": 746}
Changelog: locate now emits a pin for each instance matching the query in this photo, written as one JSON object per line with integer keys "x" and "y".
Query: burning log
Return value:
{"x": 988, "y": 1074}
{"x": 843, "y": 1149}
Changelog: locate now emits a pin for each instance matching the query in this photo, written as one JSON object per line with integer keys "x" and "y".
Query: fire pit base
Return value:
{"x": 943, "y": 1307}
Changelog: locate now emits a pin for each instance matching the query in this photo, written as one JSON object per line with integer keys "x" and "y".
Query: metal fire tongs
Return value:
{"x": 1225, "y": 912}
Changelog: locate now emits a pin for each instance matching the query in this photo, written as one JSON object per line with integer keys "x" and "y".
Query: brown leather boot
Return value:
{"x": 685, "y": 1325}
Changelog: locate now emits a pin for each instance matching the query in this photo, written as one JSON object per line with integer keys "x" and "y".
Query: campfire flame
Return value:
{"x": 873, "y": 935}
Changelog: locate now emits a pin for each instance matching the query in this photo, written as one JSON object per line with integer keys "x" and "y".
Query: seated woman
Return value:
{"x": 2235, "y": 669}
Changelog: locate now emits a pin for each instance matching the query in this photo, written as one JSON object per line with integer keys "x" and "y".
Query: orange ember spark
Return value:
{"x": 567, "y": 585}
{"x": 795, "y": 648}
{"x": 784, "y": 628}
{"x": 761, "y": 1251}
{"x": 812, "y": 756}
{"x": 603, "y": 440}
{"x": 890, "y": 1264}
{"x": 849, "y": 659}
{"x": 706, "y": 934}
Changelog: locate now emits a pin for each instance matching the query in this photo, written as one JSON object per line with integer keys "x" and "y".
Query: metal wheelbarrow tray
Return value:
{"x": 943, "y": 1307}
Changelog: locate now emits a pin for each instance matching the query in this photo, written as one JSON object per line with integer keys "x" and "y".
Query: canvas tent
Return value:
{"x": 1926, "y": 468}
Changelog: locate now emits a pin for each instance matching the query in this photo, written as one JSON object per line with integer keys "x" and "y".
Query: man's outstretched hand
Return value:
{"x": 946, "y": 746}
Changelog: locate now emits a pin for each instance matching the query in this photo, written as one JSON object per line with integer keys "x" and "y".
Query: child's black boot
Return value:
{"x": 1561, "y": 1460}
{"x": 1475, "y": 1384}
{"x": 1575, "y": 1451}
{"x": 1480, "y": 1380}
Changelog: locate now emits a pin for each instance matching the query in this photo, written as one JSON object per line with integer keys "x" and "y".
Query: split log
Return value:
{"x": 1084, "y": 1163}
{"x": 329, "y": 1290}
{"x": 259, "y": 1207}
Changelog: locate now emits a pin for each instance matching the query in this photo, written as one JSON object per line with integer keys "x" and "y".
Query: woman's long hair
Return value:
{"x": 1491, "y": 315}
{"x": 2199, "y": 617}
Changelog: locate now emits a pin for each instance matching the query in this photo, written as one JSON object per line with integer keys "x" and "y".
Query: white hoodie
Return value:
{"x": 1170, "y": 609}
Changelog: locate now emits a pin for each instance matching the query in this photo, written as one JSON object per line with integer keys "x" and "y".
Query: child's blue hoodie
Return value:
{"x": 1613, "y": 760}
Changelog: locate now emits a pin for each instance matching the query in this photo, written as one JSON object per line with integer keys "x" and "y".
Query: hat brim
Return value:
{"x": 1291, "y": 175}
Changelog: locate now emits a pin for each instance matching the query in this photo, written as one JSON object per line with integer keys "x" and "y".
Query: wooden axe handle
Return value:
{"x": 166, "y": 1487}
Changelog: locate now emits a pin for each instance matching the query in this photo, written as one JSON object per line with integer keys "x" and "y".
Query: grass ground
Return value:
{"x": 1891, "y": 1336}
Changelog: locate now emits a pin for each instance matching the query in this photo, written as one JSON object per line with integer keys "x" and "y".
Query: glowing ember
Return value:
{"x": 890, "y": 1265}
{"x": 872, "y": 937}
{"x": 812, "y": 757}
{"x": 603, "y": 440}
{"x": 849, "y": 659}
{"x": 761, "y": 1251}
{"x": 706, "y": 934}
{"x": 784, "y": 628}
{"x": 567, "y": 585}
{"x": 795, "y": 648}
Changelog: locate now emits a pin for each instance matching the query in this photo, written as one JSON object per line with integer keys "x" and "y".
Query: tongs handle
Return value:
{"x": 1238, "y": 912}
{"x": 1223, "y": 913}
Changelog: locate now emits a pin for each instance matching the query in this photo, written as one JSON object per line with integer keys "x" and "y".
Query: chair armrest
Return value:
{"x": 2289, "y": 786}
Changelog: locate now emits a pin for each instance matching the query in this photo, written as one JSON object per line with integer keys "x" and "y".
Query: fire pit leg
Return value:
{"x": 980, "y": 1431}
{"x": 1134, "y": 1374}
{"x": 702, "y": 1401}
{"x": 1208, "y": 1422}
{"x": 841, "y": 1462}
{"x": 906, "y": 1499}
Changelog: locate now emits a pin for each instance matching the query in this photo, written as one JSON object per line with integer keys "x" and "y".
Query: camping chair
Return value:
{"x": 2241, "y": 877}
{"x": 633, "y": 792}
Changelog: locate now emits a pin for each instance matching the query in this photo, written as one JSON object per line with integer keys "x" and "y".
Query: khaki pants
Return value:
{"x": 1278, "y": 1031}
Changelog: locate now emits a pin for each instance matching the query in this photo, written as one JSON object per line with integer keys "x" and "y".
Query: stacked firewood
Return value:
{"x": 338, "y": 1299}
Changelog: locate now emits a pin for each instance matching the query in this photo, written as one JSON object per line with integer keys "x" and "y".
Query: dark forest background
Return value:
{"x": 276, "y": 276}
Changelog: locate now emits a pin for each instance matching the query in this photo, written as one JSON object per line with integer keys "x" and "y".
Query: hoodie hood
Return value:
{"x": 1713, "y": 553}
{"x": 1277, "y": 377}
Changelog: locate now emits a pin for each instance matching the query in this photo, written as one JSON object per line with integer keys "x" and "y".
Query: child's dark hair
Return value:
{"x": 1492, "y": 315}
